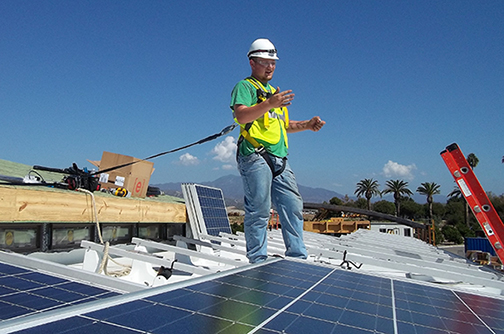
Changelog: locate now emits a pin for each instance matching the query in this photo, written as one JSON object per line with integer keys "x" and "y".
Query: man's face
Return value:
{"x": 262, "y": 69}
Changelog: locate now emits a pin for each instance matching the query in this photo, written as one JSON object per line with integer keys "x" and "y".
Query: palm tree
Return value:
{"x": 455, "y": 193}
{"x": 473, "y": 160}
{"x": 429, "y": 189}
{"x": 398, "y": 188}
{"x": 368, "y": 188}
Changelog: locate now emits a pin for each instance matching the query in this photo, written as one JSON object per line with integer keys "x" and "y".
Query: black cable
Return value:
{"x": 224, "y": 131}
{"x": 76, "y": 175}
{"x": 41, "y": 178}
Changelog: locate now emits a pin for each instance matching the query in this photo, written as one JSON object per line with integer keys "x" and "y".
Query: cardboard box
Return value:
{"x": 134, "y": 177}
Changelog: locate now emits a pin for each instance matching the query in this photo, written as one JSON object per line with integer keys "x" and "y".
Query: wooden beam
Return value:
{"x": 23, "y": 204}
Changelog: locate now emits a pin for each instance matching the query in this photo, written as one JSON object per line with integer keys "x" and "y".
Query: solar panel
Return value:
{"x": 488, "y": 309}
{"x": 24, "y": 292}
{"x": 206, "y": 210}
{"x": 285, "y": 296}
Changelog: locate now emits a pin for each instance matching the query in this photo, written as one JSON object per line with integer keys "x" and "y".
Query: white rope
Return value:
{"x": 94, "y": 211}
{"x": 104, "y": 261}
{"x": 103, "y": 265}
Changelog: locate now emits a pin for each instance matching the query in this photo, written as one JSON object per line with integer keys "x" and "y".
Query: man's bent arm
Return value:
{"x": 313, "y": 124}
{"x": 245, "y": 114}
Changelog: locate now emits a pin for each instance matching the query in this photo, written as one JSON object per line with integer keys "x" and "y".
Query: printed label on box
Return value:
{"x": 119, "y": 181}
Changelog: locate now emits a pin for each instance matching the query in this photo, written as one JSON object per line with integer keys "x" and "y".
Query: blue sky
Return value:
{"x": 396, "y": 82}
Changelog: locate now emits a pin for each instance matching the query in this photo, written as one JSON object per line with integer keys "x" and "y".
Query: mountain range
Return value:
{"x": 232, "y": 189}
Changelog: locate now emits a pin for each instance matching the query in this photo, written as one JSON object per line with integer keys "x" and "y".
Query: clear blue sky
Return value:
{"x": 396, "y": 82}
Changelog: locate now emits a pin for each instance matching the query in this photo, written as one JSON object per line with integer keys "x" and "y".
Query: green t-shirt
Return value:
{"x": 245, "y": 93}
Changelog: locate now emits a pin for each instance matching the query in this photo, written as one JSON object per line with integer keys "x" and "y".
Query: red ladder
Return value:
{"x": 476, "y": 197}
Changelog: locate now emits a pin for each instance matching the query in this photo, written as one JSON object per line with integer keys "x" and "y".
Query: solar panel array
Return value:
{"x": 294, "y": 297}
{"x": 207, "y": 209}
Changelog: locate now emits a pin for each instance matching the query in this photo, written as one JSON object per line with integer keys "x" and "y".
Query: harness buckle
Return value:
{"x": 260, "y": 150}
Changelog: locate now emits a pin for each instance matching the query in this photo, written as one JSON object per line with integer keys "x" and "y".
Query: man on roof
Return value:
{"x": 261, "y": 112}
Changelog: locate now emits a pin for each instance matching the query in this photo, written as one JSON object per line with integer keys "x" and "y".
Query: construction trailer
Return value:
{"x": 393, "y": 228}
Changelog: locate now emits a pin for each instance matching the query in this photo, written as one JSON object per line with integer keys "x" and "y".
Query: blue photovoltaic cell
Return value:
{"x": 293, "y": 297}
{"x": 24, "y": 292}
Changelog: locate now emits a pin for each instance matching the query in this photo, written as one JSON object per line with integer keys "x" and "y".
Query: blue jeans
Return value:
{"x": 261, "y": 190}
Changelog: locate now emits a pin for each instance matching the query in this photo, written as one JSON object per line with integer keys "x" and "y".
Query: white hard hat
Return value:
{"x": 262, "y": 48}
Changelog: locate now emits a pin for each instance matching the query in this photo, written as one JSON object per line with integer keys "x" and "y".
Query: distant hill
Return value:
{"x": 232, "y": 189}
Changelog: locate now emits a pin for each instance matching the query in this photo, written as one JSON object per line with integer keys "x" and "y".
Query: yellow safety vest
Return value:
{"x": 267, "y": 128}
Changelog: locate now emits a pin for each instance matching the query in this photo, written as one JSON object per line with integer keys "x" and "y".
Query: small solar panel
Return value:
{"x": 295, "y": 297}
{"x": 206, "y": 210}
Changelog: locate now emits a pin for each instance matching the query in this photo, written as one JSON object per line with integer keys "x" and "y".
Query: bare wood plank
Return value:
{"x": 21, "y": 204}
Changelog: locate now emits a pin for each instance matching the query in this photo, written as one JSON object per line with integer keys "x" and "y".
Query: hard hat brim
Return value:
{"x": 266, "y": 54}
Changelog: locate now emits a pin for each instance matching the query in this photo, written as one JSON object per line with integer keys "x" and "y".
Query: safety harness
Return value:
{"x": 262, "y": 95}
